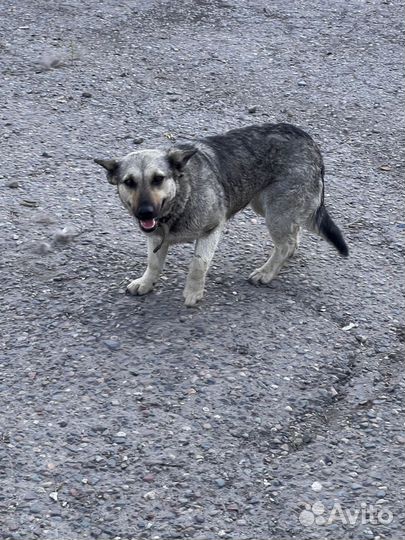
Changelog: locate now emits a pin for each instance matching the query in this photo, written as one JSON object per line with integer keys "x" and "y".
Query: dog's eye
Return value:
{"x": 130, "y": 182}
{"x": 157, "y": 180}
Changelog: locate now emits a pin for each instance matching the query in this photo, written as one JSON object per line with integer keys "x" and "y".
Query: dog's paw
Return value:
{"x": 258, "y": 277}
{"x": 192, "y": 297}
{"x": 139, "y": 286}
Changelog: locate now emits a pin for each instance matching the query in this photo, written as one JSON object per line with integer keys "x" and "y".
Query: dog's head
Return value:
{"x": 147, "y": 181}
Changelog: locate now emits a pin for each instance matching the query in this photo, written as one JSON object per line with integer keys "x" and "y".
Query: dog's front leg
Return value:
{"x": 204, "y": 251}
{"x": 155, "y": 266}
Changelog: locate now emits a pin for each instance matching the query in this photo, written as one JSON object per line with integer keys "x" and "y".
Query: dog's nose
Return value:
{"x": 145, "y": 212}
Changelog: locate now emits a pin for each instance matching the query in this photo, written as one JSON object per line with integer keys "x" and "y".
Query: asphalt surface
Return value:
{"x": 137, "y": 418}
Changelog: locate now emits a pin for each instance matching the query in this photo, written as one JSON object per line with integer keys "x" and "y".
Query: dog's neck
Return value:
{"x": 174, "y": 211}
{"x": 176, "y": 208}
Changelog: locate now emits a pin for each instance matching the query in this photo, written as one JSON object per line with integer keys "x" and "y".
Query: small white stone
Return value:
{"x": 316, "y": 486}
{"x": 349, "y": 327}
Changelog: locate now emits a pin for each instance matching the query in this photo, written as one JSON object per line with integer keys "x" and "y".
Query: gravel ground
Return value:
{"x": 137, "y": 418}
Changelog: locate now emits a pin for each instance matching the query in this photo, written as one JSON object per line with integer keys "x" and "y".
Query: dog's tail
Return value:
{"x": 327, "y": 228}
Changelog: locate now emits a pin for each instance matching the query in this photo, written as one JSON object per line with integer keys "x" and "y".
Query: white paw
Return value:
{"x": 192, "y": 297}
{"x": 139, "y": 286}
{"x": 259, "y": 276}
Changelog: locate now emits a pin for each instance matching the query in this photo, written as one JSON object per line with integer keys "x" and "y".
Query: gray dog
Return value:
{"x": 187, "y": 194}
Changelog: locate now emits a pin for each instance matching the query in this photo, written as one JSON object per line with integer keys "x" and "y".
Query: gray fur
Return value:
{"x": 277, "y": 168}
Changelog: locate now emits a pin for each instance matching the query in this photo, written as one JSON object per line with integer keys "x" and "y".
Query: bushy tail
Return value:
{"x": 328, "y": 229}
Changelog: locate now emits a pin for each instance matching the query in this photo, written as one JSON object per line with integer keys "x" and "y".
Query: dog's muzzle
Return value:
{"x": 146, "y": 216}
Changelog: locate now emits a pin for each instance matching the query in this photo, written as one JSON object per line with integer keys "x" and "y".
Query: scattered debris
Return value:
{"x": 65, "y": 235}
{"x": 349, "y": 327}
{"x": 29, "y": 203}
{"x": 53, "y": 495}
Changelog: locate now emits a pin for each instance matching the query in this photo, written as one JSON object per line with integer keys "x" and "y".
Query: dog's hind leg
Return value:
{"x": 203, "y": 253}
{"x": 285, "y": 212}
{"x": 285, "y": 243}
{"x": 288, "y": 202}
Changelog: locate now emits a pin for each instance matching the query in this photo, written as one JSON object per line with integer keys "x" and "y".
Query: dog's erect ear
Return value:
{"x": 111, "y": 166}
{"x": 178, "y": 157}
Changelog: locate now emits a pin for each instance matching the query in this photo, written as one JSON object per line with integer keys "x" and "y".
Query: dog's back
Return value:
{"x": 250, "y": 159}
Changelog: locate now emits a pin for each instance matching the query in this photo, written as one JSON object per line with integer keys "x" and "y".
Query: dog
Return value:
{"x": 188, "y": 192}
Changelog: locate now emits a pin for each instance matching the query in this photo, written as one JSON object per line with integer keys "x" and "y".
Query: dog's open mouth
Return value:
{"x": 148, "y": 225}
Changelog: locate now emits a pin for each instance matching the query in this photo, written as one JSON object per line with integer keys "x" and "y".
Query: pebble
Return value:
{"x": 44, "y": 219}
{"x": 220, "y": 482}
{"x": 12, "y": 525}
{"x": 356, "y": 486}
{"x": 50, "y": 61}
{"x": 369, "y": 445}
{"x": 42, "y": 248}
{"x": 121, "y": 434}
{"x": 30, "y": 496}
{"x": 65, "y": 235}
{"x": 13, "y": 184}
{"x": 112, "y": 344}
{"x": 36, "y": 509}
{"x": 149, "y": 478}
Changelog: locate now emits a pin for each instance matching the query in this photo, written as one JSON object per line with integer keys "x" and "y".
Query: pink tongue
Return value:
{"x": 148, "y": 223}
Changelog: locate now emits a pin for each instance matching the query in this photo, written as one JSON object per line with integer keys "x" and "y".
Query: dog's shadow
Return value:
{"x": 226, "y": 291}
{"x": 228, "y": 294}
